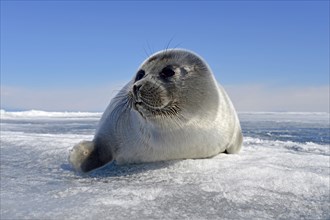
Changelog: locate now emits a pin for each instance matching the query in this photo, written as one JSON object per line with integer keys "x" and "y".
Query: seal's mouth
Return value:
{"x": 150, "y": 95}
{"x": 136, "y": 105}
{"x": 150, "y": 105}
{"x": 169, "y": 110}
{"x": 151, "y": 99}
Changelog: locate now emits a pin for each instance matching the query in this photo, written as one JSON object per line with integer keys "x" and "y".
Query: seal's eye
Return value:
{"x": 167, "y": 72}
{"x": 139, "y": 75}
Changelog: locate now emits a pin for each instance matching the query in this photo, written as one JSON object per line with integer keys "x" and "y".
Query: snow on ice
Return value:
{"x": 283, "y": 172}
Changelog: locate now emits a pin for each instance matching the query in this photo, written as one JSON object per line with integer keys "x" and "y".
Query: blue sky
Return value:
{"x": 75, "y": 55}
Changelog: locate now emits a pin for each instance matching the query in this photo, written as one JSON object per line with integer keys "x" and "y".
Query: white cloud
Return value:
{"x": 263, "y": 98}
{"x": 244, "y": 97}
{"x": 59, "y": 99}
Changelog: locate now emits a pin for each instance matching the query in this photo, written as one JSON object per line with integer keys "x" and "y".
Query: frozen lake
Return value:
{"x": 283, "y": 172}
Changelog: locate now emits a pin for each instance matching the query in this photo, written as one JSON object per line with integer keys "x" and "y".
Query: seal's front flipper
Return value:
{"x": 86, "y": 156}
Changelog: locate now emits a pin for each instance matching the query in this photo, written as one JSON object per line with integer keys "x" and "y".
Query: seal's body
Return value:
{"x": 172, "y": 109}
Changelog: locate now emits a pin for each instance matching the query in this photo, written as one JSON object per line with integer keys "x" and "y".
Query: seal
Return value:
{"x": 172, "y": 109}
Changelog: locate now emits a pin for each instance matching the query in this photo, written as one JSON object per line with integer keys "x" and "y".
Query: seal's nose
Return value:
{"x": 136, "y": 88}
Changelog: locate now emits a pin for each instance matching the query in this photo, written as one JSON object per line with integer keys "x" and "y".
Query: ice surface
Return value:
{"x": 35, "y": 114}
{"x": 282, "y": 172}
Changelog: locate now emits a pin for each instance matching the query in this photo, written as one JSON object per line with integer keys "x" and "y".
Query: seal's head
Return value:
{"x": 175, "y": 83}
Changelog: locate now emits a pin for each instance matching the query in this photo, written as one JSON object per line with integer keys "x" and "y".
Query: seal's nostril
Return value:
{"x": 136, "y": 89}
